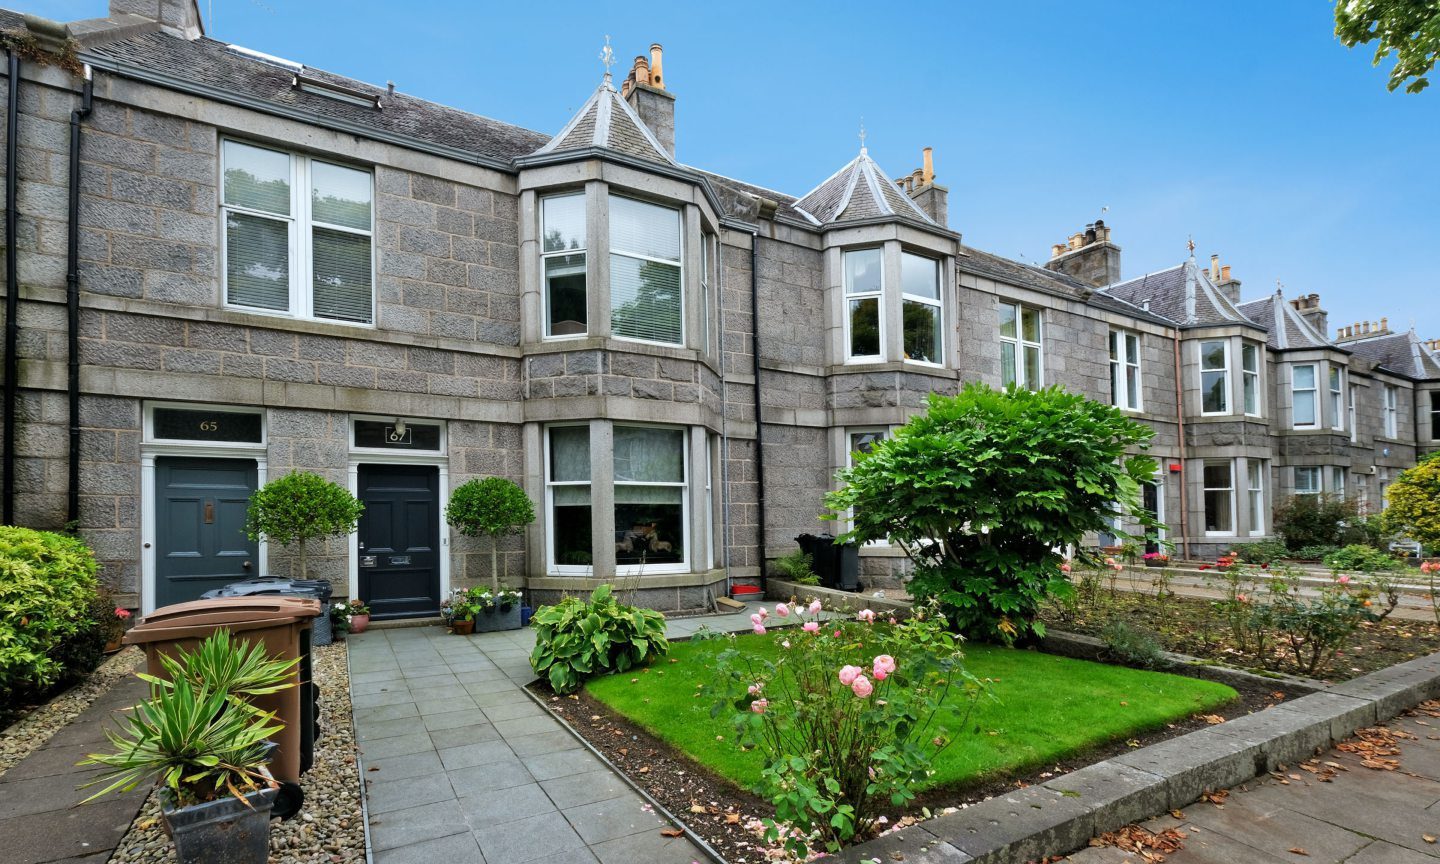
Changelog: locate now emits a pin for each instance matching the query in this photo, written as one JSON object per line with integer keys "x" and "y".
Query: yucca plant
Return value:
{"x": 225, "y": 664}
{"x": 191, "y": 741}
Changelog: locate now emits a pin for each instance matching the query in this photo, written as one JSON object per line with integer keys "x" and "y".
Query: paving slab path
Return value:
{"x": 461, "y": 766}
{"x": 1359, "y": 815}
{"x": 39, "y": 822}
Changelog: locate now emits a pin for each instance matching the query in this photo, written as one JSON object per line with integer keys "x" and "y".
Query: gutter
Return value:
{"x": 72, "y": 302}
{"x": 12, "y": 288}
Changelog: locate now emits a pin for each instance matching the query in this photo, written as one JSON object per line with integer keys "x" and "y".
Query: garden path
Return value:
{"x": 461, "y": 766}
{"x": 1359, "y": 815}
{"x": 38, "y": 817}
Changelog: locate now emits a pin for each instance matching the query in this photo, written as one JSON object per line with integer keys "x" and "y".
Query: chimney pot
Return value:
{"x": 1057, "y": 250}
{"x": 927, "y": 169}
{"x": 1214, "y": 267}
{"x": 657, "y": 79}
{"x": 1384, "y": 325}
{"x": 1225, "y": 272}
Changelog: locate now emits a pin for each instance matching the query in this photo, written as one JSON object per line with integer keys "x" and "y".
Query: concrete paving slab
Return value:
{"x": 458, "y": 736}
{"x": 576, "y": 789}
{"x": 410, "y": 825}
{"x": 914, "y": 844}
{"x": 501, "y": 774}
{"x": 400, "y": 767}
{"x": 470, "y": 755}
{"x": 386, "y": 712}
{"x": 385, "y": 795}
{"x": 525, "y": 840}
{"x": 455, "y": 848}
{"x": 545, "y": 742}
{"x": 650, "y": 847}
{"x": 519, "y": 727}
{"x": 562, "y": 763}
{"x": 397, "y": 745}
{"x": 499, "y": 806}
{"x": 621, "y": 816}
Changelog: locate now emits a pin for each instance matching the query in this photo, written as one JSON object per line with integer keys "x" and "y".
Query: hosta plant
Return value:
{"x": 577, "y": 639}
{"x": 846, "y": 717}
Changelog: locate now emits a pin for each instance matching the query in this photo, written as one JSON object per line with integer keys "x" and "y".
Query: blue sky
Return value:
{"x": 1244, "y": 124}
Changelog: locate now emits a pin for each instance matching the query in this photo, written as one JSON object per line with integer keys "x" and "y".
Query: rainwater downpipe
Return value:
{"x": 755, "y": 369}
{"x": 72, "y": 302}
{"x": 1180, "y": 439}
{"x": 12, "y": 288}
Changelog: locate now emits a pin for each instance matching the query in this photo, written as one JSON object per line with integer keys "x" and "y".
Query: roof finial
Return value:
{"x": 607, "y": 57}
{"x": 862, "y": 134}
{"x": 1190, "y": 244}
{"x": 1279, "y": 287}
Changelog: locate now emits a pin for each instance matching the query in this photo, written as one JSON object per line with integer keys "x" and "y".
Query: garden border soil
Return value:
{"x": 673, "y": 798}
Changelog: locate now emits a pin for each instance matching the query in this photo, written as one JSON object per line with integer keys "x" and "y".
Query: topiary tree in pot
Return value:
{"x": 491, "y": 507}
{"x": 300, "y": 507}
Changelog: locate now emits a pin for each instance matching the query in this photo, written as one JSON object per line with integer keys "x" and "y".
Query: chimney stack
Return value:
{"x": 178, "y": 17}
{"x": 1220, "y": 275}
{"x": 1089, "y": 256}
{"x": 1364, "y": 330}
{"x": 920, "y": 185}
{"x": 1308, "y": 305}
{"x": 644, "y": 89}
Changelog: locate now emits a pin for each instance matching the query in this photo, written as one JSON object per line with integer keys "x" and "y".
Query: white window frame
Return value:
{"x": 583, "y": 252}
{"x": 850, "y": 433}
{"x": 551, "y": 566}
{"x": 1354, "y": 421}
{"x": 1021, "y": 343}
{"x": 1255, "y": 491}
{"x": 1230, "y": 465}
{"x": 1337, "y": 481}
{"x": 849, "y": 296}
{"x": 937, "y": 303}
{"x": 1313, "y": 390}
{"x": 680, "y": 264}
{"x": 1224, "y": 371}
{"x": 1335, "y": 383}
{"x": 709, "y": 257}
{"x": 1309, "y": 471}
{"x": 1392, "y": 411}
{"x": 300, "y": 227}
{"x": 1122, "y": 365}
{"x": 148, "y": 425}
{"x": 1250, "y": 379}
{"x": 686, "y": 517}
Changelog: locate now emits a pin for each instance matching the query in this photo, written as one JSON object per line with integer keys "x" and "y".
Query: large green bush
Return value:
{"x": 1360, "y": 559}
{"x": 1314, "y": 520}
{"x": 48, "y": 620}
{"x": 575, "y": 639}
{"x": 1414, "y": 500}
{"x": 982, "y": 489}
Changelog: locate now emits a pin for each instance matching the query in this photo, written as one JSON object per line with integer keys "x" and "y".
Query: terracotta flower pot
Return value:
{"x": 358, "y": 623}
{"x": 463, "y": 628}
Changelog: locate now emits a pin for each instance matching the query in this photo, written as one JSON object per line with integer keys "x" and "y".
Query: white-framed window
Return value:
{"x": 1021, "y": 358}
{"x": 864, "y": 300}
{"x": 920, "y": 306}
{"x": 568, "y": 514}
{"x": 709, "y": 259}
{"x": 1337, "y": 481}
{"x": 298, "y": 235}
{"x": 859, "y": 441}
{"x": 1125, "y": 370}
{"x": 1219, "y": 488}
{"x": 1354, "y": 426}
{"x": 1308, "y": 480}
{"x": 562, "y": 265}
{"x": 1255, "y": 489}
{"x": 1337, "y": 398}
{"x": 1215, "y": 376}
{"x": 1362, "y": 493}
{"x": 1435, "y": 415}
{"x": 1250, "y": 377}
{"x": 1305, "y": 397}
{"x": 647, "y": 284}
{"x": 1392, "y": 411}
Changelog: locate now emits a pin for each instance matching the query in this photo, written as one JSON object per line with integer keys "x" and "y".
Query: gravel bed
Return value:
{"x": 30, "y": 733}
{"x": 329, "y": 829}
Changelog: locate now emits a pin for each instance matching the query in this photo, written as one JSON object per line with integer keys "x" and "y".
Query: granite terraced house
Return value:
{"x": 222, "y": 266}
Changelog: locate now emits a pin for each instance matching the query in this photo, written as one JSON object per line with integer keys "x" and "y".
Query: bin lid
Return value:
{"x": 317, "y": 588}
{"x": 199, "y": 618}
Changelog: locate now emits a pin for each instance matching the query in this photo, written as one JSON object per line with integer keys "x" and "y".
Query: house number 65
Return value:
{"x": 209, "y": 425}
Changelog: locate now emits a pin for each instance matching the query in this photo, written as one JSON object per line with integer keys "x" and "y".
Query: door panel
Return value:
{"x": 200, "y": 540}
{"x": 399, "y": 539}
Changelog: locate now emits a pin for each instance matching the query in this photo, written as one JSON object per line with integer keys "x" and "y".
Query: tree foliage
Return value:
{"x": 1414, "y": 500}
{"x": 987, "y": 488}
{"x": 492, "y": 507}
{"x": 1409, "y": 29}
{"x": 300, "y": 507}
{"x": 1307, "y": 521}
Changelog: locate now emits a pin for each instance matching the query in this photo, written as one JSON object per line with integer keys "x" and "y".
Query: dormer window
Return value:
{"x": 647, "y": 300}
{"x": 562, "y": 233}
{"x": 864, "y": 289}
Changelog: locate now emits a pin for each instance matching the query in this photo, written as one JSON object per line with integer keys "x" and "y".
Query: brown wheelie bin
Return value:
{"x": 283, "y": 624}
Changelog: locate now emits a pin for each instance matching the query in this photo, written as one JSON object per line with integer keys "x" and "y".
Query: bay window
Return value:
{"x": 1125, "y": 370}
{"x": 920, "y": 290}
{"x": 1020, "y": 359}
{"x": 1304, "y": 401}
{"x": 1392, "y": 413}
{"x": 1250, "y": 377}
{"x": 1307, "y": 480}
{"x": 650, "y": 495}
{"x": 864, "y": 293}
{"x": 646, "y": 274}
{"x": 1337, "y": 481}
{"x": 567, "y": 488}
{"x": 298, "y": 235}
{"x": 1219, "y": 489}
{"x": 1215, "y": 377}
{"x": 1255, "y": 488}
{"x": 1337, "y": 399}
{"x": 562, "y": 262}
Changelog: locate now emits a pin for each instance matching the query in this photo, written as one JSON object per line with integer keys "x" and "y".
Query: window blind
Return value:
{"x": 342, "y": 276}
{"x": 257, "y": 261}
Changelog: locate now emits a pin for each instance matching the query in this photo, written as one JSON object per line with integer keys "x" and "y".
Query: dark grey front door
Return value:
{"x": 200, "y": 540}
{"x": 399, "y": 542}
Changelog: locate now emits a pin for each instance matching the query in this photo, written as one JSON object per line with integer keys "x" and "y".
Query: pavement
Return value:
{"x": 461, "y": 766}
{"x": 1357, "y": 815}
{"x": 39, "y": 820}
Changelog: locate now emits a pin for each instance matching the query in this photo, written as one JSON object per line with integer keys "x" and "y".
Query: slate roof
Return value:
{"x": 607, "y": 121}
{"x": 1182, "y": 294}
{"x": 1293, "y": 331}
{"x": 860, "y": 190}
{"x": 1401, "y": 353}
{"x": 985, "y": 264}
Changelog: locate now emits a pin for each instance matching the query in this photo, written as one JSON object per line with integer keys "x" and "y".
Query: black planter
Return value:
{"x": 227, "y": 831}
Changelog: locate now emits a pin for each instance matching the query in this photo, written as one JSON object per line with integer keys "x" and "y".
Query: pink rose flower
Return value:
{"x": 815, "y": 607}
{"x": 122, "y": 613}
{"x": 759, "y": 705}
{"x": 837, "y": 634}
{"x": 753, "y": 689}
{"x": 759, "y": 629}
{"x": 892, "y": 619}
{"x": 1344, "y": 580}
{"x": 782, "y": 610}
{"x": 848, "y": 674}
{"x": 1065, "y": 568}
{"x": 756, "y": 619}
{"x": 862, "y": 687}
{"x": 1109, "y": 562}
{"x": 762, "y": 613}
{"x": 810, "y": 627}
{"x": 885, "y": 662}
{"x": 865, "y": 615}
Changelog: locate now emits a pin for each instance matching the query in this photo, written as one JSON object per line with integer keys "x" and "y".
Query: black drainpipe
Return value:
{"x": 72, "y": 304}
{"x": 755, "y": 369}
{"x": 12, "y": 287}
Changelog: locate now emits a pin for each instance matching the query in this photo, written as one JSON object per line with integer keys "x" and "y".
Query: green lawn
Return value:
{"x": 1046, "y": 708}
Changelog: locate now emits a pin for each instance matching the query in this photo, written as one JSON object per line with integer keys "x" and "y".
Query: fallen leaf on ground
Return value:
{"x": 671, "y": 832}
{"x": 1217, "y": 797}
{"x": 1428, "y": 838}
{"x": 1296, "y": 850}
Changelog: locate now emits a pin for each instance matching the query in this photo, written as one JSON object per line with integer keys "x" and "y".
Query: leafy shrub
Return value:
{"x": 493, "y": 507}
{"x": 983, "y": 488}
{"x": 1314, "y": 553}
{"x": 1132, "y": 646}
{"x": 1261, "y": 551}
{"x": 49, "y": 629}
{"x": 1314, "y": 520}
{"x": 797, "y": 567}
{"x": 1369, "y": 531}
{"x": 575, "y": 639}
{"x": 1414, "y": 500}
{"x": 1361, "y": 559}
{"x": 844, "y": 723}
{"x": 300, "y": 507}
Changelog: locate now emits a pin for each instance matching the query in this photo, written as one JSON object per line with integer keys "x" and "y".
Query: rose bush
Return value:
{"x": 845, "y": 718}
